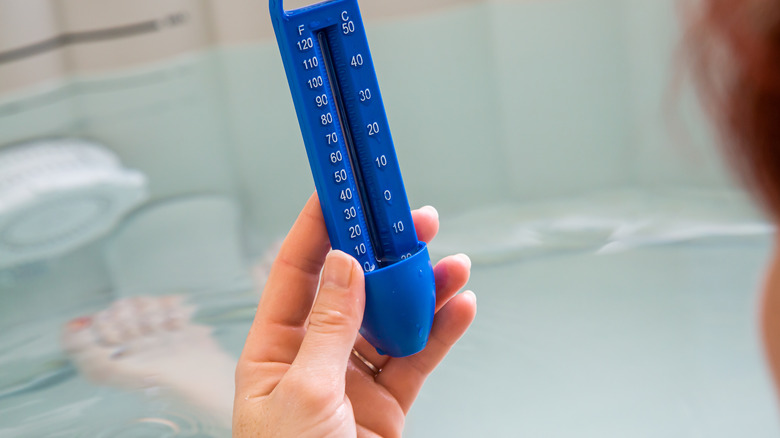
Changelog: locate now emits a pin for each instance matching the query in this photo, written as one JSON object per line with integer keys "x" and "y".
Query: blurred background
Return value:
{"x": 151, "y": 148}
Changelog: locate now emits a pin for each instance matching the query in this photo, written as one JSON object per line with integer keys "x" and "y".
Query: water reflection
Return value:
{"x": 145, "y": 293}
{"x": 59, "y": 194}
{"x": 163, "y": 427}
{"x": 62, "y": 195}
{"x": 156, "y": 343}
{"x": 151, "y": 344}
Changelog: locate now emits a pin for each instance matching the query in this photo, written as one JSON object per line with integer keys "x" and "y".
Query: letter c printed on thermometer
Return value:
{"x": 345, "y": 16}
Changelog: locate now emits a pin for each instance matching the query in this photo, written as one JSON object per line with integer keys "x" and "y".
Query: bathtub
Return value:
{"x": 617, "y": 264}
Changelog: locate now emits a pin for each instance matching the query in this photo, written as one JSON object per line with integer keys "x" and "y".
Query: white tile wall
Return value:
{"x": 672, "y": 141}
{"x": 562, "y": 95}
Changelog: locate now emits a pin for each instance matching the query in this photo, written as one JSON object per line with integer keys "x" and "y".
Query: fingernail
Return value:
{"x": 465, "y": 259}
{"x": 432, "y": 210}
{"x": 337, "y": 272}
{"x": 79, "y": 323}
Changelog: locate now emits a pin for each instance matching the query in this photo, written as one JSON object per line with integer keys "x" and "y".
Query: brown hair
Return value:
{"x": 737, "y": 61}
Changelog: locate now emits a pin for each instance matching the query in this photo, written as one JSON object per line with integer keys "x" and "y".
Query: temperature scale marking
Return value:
{"x": 347, "y": 134}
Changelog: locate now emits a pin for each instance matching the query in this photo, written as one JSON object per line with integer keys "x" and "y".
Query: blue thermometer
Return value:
{"x": 356, "y": 172}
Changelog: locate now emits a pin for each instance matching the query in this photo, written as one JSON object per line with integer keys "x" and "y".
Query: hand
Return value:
{"x": 297, "y": 376}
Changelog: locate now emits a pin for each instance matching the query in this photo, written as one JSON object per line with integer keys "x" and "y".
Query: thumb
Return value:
{"x": 334, "y": 320}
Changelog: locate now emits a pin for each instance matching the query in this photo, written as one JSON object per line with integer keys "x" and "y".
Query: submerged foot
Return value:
{"x": 151, "y": 343}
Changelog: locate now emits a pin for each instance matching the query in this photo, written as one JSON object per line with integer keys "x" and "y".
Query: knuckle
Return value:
{"x": 309, "y": 395}
{"x": 330, "y": 321}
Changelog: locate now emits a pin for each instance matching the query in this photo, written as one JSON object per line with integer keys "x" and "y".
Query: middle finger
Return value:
{"x": 451, "y": 274}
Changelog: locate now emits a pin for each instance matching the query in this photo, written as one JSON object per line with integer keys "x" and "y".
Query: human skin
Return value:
{"x": 770, "y": 314}
{"x": 297, "y": 376}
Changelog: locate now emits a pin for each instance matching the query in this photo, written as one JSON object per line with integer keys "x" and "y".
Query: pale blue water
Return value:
{"x": 658, "y": 341}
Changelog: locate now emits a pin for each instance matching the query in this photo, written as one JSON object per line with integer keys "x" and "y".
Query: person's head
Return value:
{"x": 737, "y": 59}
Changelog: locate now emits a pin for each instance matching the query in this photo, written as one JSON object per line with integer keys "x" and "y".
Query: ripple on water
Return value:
{"x": 171, "y": 425}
